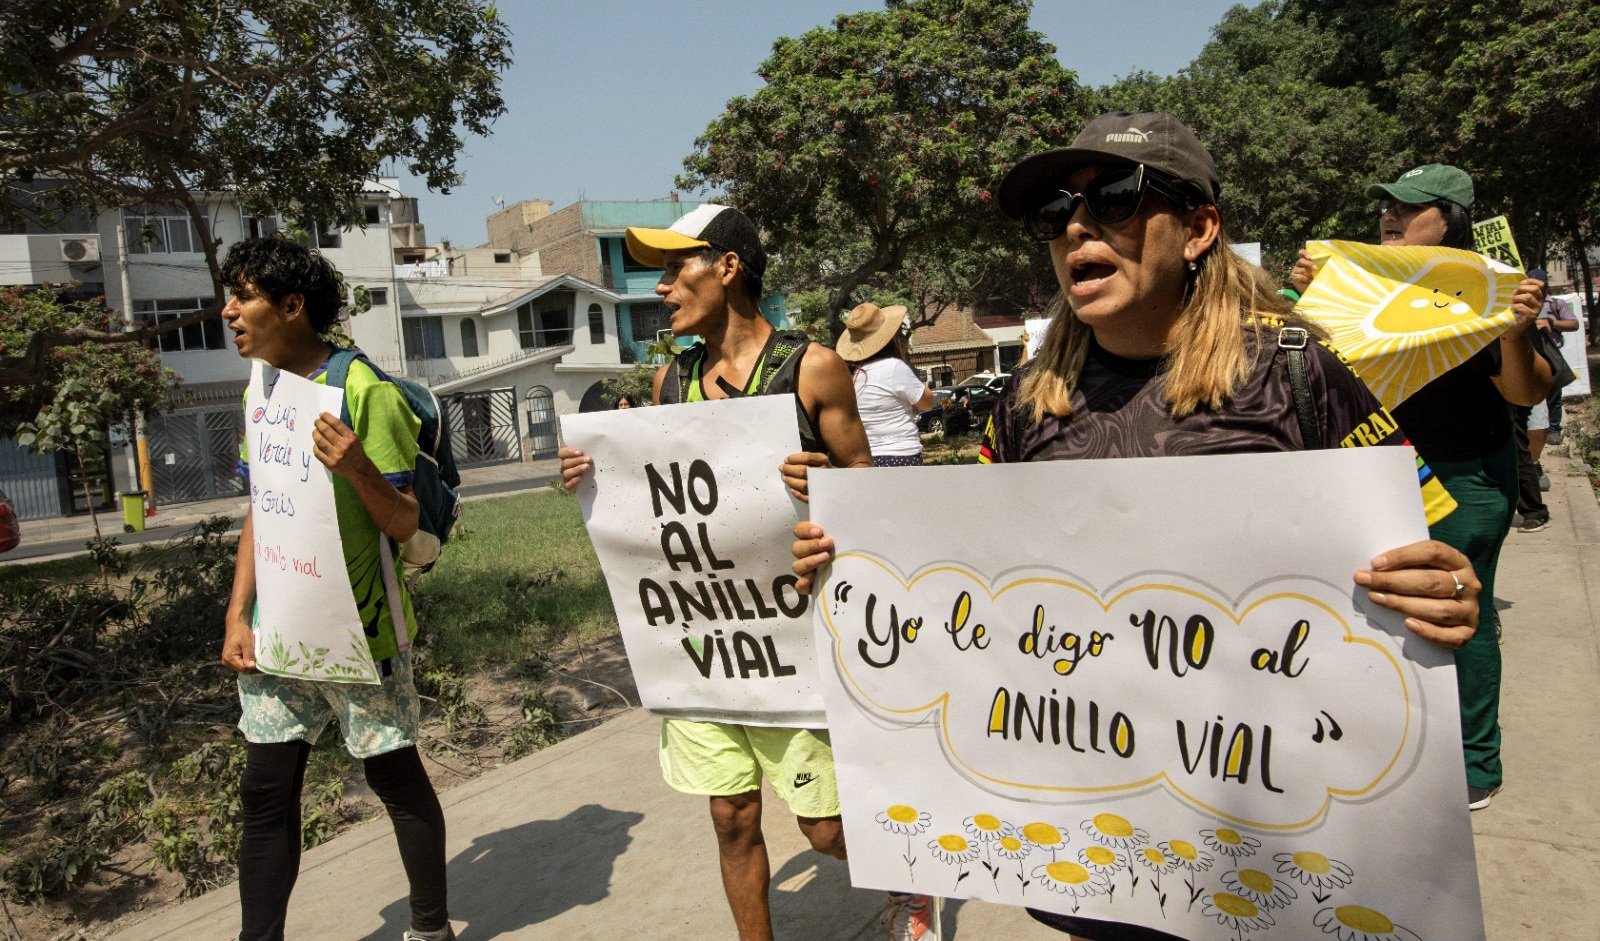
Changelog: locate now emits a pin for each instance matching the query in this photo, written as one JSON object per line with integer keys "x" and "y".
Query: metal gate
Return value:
{"x": 30, "y": 480}
{"x": 483, "y": 426}
{"x": 542, "y": 429}
{"x": 194, "y": 454}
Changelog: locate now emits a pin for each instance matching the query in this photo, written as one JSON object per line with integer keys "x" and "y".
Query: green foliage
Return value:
{"x": 82, "y": 392}
{"x": 636, "y": 384}
{"x": 878, "y": 141}
{"x": 493, "y": 604}
{"x": 285, "y": 106}
{"x": 1294, "y": 154}
{"x": 1510, "y": 92}
{"x": 538, "y": 727}
{"x": 149, "y": 103}
{"x": 452, "y": 694}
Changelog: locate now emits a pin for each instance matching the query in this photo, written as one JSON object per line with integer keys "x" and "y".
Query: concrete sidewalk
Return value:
{"x": 583, "y": 841}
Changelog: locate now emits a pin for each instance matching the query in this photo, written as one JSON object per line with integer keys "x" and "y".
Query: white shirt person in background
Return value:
{"x": 888, "y": 392}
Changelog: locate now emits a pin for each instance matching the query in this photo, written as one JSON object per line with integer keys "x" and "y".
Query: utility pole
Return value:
{"x": 139, "y": 454}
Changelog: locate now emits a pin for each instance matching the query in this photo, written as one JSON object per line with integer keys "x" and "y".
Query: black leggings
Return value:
{"x": 269, "y": 848}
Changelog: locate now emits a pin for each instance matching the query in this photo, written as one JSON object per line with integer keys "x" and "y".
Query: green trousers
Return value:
{"x": 1486, "y": 493}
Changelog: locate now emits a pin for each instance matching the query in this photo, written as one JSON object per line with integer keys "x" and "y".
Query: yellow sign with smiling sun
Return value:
{"x": 1405, "y": 315}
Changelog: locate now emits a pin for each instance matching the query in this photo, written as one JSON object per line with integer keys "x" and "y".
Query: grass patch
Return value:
{"x": 518, "y": 577}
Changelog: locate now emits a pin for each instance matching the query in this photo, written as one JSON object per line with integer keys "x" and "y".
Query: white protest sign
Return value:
{"x": 1037, "y": 327}
{"x": 1146, "y": 691}
{"x": 692, "y": 524}
{"x": 306, "y": 625}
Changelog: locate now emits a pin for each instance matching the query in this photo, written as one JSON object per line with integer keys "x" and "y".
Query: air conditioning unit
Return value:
{"x": 80, "y": 249}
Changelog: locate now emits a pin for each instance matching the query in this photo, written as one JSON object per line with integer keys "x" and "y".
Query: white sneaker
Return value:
{"x": 912, "y": 918}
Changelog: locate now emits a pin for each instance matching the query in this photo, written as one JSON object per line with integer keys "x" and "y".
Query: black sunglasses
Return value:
{"x": 1112, "y": 197}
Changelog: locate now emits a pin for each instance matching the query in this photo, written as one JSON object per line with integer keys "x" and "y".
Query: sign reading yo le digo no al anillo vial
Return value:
{"x": 1146, "y": 691}
{"x": 692, "y": 524}
{"x": 306, "y": 622}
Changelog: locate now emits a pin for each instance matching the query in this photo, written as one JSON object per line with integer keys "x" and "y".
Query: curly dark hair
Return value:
{"x": 279, "y": 267}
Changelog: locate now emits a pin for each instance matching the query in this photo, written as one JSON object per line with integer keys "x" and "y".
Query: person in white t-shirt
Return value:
{"x": 888, "y": 393}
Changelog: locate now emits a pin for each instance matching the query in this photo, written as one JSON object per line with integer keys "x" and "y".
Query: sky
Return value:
{"x": 606, "y": 97}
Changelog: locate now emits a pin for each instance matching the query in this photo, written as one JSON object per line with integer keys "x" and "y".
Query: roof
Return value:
{"x": 464, "y": 295}
{"x": 500, "y": 367}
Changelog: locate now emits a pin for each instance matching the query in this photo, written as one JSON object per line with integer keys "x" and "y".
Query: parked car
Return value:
{"x": 992, "y": 381}
{"x": 10, "y": 531}
{"x": 966, "y": 409}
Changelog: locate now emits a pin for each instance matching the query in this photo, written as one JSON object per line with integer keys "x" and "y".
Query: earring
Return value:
{"x": 1193, "y": 266}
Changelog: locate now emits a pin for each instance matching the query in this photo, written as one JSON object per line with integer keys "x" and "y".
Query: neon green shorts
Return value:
{"x": 720, "y": 759}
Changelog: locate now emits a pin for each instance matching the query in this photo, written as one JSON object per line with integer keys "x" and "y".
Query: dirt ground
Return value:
{"x": 587, "y": 684}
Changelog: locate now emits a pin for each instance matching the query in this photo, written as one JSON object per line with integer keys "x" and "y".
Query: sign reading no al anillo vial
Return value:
{"x": 1146, "y": 691}
{"x": 692, "y": 524}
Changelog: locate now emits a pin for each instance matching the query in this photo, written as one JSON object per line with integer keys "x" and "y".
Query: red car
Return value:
{"x": 10, "y": 532}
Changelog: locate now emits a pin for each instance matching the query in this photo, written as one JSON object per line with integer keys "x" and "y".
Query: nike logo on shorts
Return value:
{"x": 801, "y": 780}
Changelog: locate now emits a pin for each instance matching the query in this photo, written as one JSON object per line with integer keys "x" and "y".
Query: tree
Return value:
{"x": 1293, "y": 152}
{"x": 1510, "y": 92}
{"x": 286, "y": 106}
{"x": 879, "y": 141}
{"x": 84, "y": 390}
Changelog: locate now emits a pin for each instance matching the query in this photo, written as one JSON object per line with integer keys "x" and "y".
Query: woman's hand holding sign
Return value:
{"x": 1432, "y": 584}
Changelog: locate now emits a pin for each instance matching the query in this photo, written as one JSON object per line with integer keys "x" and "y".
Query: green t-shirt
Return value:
{"x": 388, "y": 430}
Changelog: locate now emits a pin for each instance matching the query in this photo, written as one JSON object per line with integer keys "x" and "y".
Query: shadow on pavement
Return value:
{"x": 510, "y": 879}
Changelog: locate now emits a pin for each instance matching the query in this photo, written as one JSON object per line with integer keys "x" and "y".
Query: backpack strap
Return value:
{"x": 782, "y": 358}
{"x": 1293, "y": 341}
{"x": 680, "y": 372}
{"x": 338, "y": 374}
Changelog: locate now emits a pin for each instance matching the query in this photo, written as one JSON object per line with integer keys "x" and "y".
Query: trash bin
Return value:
{"x": 133, "y": 511}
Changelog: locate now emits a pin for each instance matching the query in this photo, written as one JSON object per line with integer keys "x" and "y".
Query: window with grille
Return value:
{"x": 208, "y": 334}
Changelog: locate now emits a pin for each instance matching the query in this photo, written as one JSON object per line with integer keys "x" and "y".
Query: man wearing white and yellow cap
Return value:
{"x": 712, "y": 263}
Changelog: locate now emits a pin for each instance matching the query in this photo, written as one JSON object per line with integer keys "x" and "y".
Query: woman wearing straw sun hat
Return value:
{"x": 888, "y": 393}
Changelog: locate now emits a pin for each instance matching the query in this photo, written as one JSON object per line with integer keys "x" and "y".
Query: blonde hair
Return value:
{"x": 1210, "y": 353}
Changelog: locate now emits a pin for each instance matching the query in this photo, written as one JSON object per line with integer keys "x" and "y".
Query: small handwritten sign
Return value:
{"x": 306, "y": 624}
{"x": 692, "y": 522}
{"x": 1150, "y": 698}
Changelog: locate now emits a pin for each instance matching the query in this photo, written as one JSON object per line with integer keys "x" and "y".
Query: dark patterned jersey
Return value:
{"x": 1119, "y": 409}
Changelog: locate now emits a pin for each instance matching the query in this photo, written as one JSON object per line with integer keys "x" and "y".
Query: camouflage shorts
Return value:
{"x": 374, "y": 719}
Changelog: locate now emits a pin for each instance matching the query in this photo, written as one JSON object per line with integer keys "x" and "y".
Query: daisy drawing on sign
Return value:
{"x": 1071, "y": 879}
{"x": 1259, "y": 888}
{"x": 952, "y": 849}
{"x": 1232, "y": 843}
{"x": 1236, "y": 913}
{"x": 1104, "y": 861}
{"x": 1159, "y": 862}
{"x": 1315, "y": 870}
{"x": 1112, "y": 830}
{"x": 1014, "y": 849}
{"x": 1045, "y": 837}
{"x": 1189, "y": 857}
{"x": 987, "y": 830}
{"x": 908, "y": 821}
{"x": 1354, "y": 923}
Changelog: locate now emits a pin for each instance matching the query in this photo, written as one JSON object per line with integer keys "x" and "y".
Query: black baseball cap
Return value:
{"x": 1153, "y": 138}
{"x": 708, "y": 226}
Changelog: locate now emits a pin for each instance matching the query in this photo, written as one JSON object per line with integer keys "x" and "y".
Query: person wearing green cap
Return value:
{"x": 1461, "y": 426}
